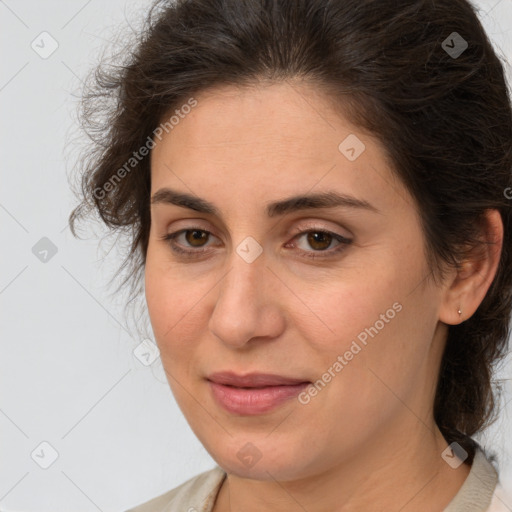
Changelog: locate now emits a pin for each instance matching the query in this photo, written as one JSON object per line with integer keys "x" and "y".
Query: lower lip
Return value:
{"x": 255, "y": 400}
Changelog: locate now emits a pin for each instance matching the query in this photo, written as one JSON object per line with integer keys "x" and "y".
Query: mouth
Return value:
{"x": 253, "y": 394}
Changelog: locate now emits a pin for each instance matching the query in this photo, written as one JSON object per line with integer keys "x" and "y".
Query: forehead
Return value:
{"x": 279, "y": 139}
{"x": 274, "y": 115}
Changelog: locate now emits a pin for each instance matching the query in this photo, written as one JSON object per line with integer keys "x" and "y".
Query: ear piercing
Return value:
{"x": 459, "y": 311}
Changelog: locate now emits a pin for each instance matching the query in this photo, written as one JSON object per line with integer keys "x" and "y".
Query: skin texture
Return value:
{"x": 367, "y": 440}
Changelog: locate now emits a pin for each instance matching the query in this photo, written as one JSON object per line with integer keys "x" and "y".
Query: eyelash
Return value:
{"x": 343, "y": 242}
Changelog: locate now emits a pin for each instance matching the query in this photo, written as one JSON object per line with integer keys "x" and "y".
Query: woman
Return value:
{"x": 316, "y": 192}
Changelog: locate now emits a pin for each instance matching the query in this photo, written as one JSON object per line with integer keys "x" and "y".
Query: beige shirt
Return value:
{"x": 481, "y": 492}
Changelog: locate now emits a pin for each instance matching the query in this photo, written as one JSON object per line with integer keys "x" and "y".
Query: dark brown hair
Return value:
{"x": 444, "y": 119}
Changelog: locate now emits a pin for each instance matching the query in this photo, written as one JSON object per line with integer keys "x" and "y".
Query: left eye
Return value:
{"x": 320, "y": 241}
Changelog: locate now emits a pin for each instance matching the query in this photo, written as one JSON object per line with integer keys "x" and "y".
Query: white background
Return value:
{"x": 68, "y": 374}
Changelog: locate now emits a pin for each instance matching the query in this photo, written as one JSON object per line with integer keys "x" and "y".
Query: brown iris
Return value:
{"x": 317, "y": 237}
{"x": 195, "y": 235}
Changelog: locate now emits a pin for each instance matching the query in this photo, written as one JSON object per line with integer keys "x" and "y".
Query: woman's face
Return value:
{"x": 338, "y": 295}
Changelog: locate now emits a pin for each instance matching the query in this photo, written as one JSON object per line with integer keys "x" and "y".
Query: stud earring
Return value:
{"x": 459, "y": 311}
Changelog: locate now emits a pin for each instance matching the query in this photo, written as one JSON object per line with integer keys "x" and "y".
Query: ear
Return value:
{"x": 467, "y": 286}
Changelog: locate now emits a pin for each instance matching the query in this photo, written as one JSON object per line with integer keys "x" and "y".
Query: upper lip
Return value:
{"x": 253, "y": 380}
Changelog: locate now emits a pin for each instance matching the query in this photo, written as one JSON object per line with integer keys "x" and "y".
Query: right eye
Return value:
{"x": 191, "y": 236}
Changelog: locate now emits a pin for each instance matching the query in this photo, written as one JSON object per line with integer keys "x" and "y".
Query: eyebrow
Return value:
{"x": 329, "y": 199}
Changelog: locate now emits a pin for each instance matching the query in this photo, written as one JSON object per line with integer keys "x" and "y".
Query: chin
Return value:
{"x": 268, "y": 462}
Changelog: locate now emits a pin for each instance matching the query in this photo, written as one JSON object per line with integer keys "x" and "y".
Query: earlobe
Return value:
{"x": 467, "y": 289}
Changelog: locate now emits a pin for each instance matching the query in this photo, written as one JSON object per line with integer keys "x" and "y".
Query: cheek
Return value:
{"x": 341, "y": 309}
{"x": 166, "y": 298}
{"x": 370, "y": 319}
{"x": 169, "y": 307}
{"x": 175, "y": 304}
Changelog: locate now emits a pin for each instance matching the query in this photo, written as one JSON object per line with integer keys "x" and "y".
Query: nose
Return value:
{"x": 247, "y": 305}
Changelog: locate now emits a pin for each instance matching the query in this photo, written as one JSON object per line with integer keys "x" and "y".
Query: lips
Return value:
{"x": 255, "y": 393}
{"x": 253, "y": 380}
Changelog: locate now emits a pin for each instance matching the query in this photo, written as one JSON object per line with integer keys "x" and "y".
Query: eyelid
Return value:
{"x": 314, "y": 226}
